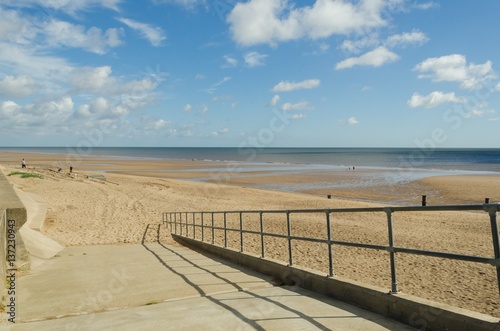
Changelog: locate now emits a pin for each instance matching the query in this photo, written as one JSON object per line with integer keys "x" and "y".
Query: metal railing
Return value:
{"x": 184, "y": 224}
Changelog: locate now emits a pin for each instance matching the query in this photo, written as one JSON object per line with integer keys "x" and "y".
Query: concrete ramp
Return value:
{"x": 155, "y": 286}
{"x": 40, "y": 248}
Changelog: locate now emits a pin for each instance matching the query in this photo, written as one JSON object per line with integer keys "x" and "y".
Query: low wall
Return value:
{"x": 12, "y": 209}
{"x": 3, "y": 264}
{"x": 419, "y": 313}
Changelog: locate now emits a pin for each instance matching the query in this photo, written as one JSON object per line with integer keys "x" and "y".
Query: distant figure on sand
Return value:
{"x": 23, "y": 163}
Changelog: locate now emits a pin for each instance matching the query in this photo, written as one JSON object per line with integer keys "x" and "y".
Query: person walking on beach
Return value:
{"x": 23, "y": 163}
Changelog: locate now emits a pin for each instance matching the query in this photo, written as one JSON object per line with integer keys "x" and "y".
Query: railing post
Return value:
{"x": 213, "y": 239}
{"x": 329, "y": 234}
{"x": 187, "y": 229}
{"x": 241, "y": 231}
{"x": 492, "y": 210}
{"x": 289, "y": 231}
{"x": 180, "y": 222}
{"x": 263, "y": 251}
{"x": 175, "y": 222}
{"x": 202, "y": 228}
{"x": 225, "y": 230}
{"x": 392, "y": 254}
{"x": 194, "y": 226}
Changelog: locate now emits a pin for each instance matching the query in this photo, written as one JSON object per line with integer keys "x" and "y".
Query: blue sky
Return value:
{"x": 255, "y": 73}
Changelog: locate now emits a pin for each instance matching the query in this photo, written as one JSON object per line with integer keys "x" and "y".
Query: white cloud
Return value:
{"x": 27, "y": 61}
{"x": 356, "y": 46}
{"x": 184, "y": 3}
{"x": 454, "y": 68}
{"x": 375, "y": 58}
{"x": 352, "y": 121}
{"x": 271, "y": 21}
{"x": 60, "y": 33}
{"x": 154, "y": 35}
{"x": 274, "y": 101}
{"x": 303, "y": 105}
{"x": 254, "y": 59}
{"x": 15, "y": 28}
{"x": 99, "y": 80}
{"x": 148, "y": 125}
{"x": 220, "y": 132}
{"x": 433, "y": 99}
{"x": 215, "y": 86}
{"x": 37, "y": 117}
{"x": 426, "y": 5}
{"x": 299, "y": 117}
{"x": 69, "y": 6}
{"x": 479, "y": 113}
{"x": 230, "y": 61}
{"x": 407, "y": 38}
{"x": 187, "y": 108}
{"x": 18, "y": 86}
{"x": 286, "y": 86}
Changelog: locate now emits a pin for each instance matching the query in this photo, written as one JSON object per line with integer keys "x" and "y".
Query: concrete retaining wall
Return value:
{"x": 419, "y": 313}
{"x": 3, "y": 242}
{"x": 13, "y": 210}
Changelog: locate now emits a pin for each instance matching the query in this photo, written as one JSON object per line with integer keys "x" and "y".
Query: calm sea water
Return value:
{"x": 477, "y": 160}
{"x": 395, "y": 166}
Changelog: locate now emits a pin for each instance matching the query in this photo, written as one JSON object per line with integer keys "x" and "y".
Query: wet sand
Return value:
{"x": 84, "y": 209}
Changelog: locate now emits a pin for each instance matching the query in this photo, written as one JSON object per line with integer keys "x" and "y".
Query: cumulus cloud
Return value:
{"x": 286, "y": 86}
{"x": 100, "y": 80}
{"x": 478, "y": 112}
{"x": 298, "y": 117}
{"x": 37, "y": 117}
{"x": 148, "y": 125}
{"x": 352, "y": 121}
{"x": 60, "y": 33}
{"x": 271, "y": 21}
{"x": 454, "y": 68}
{"x": 274, "y": 101}
{"x": 187, "y": 108}
{"x": 415, "y": 37}
{"x": 356, "y": 46}
{"x": 433, "y": 99}
{"x": 375, "y": 58}
{"x": 303, "y": 105}
{"x": 154, "y": 35}
{"x": 254, "y": 59}
{"x": 18, "y": 86}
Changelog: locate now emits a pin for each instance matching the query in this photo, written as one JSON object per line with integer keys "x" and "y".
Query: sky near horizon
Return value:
{"x": 253, "y": 73}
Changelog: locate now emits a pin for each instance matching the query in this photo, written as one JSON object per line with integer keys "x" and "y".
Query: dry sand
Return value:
{"x": 89, "y": 211}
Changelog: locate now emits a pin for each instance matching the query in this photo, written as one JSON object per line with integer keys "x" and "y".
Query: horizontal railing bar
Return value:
{"x": 360, "y": 245}
{"x": 361, "y": 210}
{"x": 470, "y": 258}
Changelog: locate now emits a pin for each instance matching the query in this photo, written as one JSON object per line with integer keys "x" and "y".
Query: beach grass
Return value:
{"x": 25, "y": 174}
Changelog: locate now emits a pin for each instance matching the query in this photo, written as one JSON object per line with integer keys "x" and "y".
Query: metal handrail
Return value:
{"x": 180, "y": 220}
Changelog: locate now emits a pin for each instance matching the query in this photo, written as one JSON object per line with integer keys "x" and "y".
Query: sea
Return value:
{"x": 446, "y": 159}
{"x": 395, "y": 166}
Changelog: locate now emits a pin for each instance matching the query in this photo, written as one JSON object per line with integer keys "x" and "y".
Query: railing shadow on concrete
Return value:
{"x": 252, "y": 323}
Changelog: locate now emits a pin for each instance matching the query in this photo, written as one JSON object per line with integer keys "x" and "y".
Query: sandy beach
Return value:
{"x": 108, "y": 201}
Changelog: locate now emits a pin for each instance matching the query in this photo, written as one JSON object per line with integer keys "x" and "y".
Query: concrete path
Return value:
{"x": 155, "y": 286}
